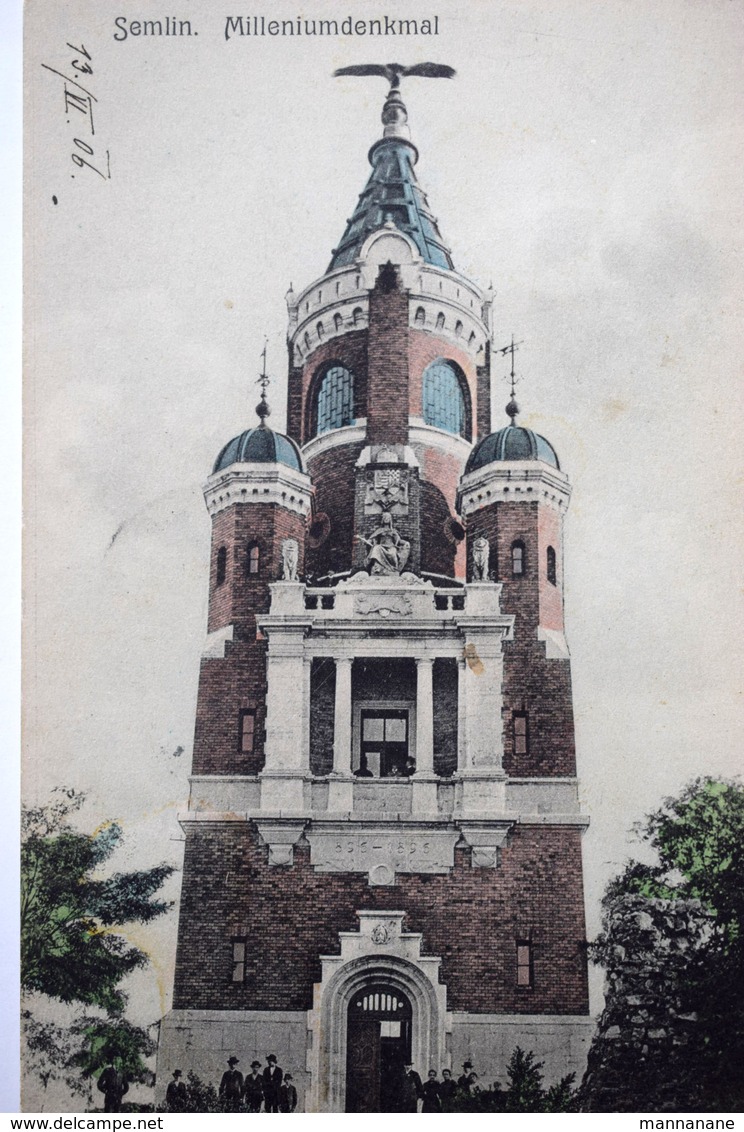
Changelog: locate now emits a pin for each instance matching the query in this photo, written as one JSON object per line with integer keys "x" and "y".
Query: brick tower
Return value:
{"x": 383, "y": 856}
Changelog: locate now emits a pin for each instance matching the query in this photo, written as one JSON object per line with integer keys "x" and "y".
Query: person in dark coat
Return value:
{"x": 176, "y": 1096}
{"x": 411, "y": 1090}
{"x": 272, "y": 1079}
{"x": 463, "y": 1081}
{"x": 287, "y": 1094}
{"x": 231, "y": 1085}
{"x": 253, "y": 1090}
{"x": 431, "y": 1093}
{"x": 447, "y": 1090}
{"x": 114, "y": 1085}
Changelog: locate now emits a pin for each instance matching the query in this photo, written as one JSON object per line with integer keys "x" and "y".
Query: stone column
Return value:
{"x": 480, "y": 734}
{"x": 424, "y": 715}
{"x": 286, "y": 764}
{"x": 424, "y": 781}
{"x": 341, "y": 783}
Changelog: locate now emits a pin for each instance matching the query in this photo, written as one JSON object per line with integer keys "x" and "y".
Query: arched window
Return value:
{"x": 337, "y": 321}
{"x": 253, "y": 559}
{"x": 319, "y": 329}
{"x": 221, "y": 572}
{"x": 357, "y": 315}
{"x": 335, "y": 404}
{"x": 444, "y": 401}
{"x": 518, "y": 559}
{"x": 459, "y": 329}
{"x": 307, "y": 340}
{"x": 551, "y": 565}
{"x": 440, "y": 320}
{"x": 420, "y": 316}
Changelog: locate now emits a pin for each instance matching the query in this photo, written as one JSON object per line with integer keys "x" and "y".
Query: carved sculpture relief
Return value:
{"x": 384, "y": 606}
{"x": 388, "y": 552}
{"x": 290, "y": 556}
{"x": 481, "y": 551}
{"x": 388, "y": 489}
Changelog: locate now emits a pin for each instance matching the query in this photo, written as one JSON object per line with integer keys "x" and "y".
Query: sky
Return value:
{"x": 585, "y": 161}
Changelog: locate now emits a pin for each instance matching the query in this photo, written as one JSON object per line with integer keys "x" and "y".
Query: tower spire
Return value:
{"x": 392, "y": 190}
{"x": 262, "y": 408}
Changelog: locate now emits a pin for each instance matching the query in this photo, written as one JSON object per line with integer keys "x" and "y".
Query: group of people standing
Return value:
{"x": 270, "y": 1087}
{"x": 436, "y": 1095}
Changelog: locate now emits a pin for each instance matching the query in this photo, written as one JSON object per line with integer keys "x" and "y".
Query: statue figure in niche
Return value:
{"x": 290, "y": 554}
{"x": 480, "y": 560}
{"x": 388, "y": 552}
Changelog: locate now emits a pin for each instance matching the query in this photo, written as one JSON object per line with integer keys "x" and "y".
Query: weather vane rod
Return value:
{"x": 263, "y": 379}
{"x": 512, "y": 409}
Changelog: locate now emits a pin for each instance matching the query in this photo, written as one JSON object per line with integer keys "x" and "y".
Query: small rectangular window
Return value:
{"x": 238, "y": 960}
{"x": 521, "y": 733}
{"x": 247, "y": 730}
{"x": 524, "y": 963}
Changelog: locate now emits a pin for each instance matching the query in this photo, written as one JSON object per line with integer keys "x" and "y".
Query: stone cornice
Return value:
{"x": 259, "y": 483}
{"x": 513, "y": 481}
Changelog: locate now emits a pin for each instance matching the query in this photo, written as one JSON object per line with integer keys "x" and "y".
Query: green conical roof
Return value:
{"x": 393, "y": 193}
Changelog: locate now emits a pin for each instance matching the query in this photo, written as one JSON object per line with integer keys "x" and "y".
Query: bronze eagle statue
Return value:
{"x": 394, "y": 72}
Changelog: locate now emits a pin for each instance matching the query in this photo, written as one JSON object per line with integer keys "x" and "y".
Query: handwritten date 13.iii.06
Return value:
{"x": 79, "y": 102}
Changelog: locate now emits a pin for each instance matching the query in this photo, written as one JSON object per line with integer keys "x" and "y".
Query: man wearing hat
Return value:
{"x": 231, "y": 1085}
{"x": 176, "y": 1096}
{"x": 253, "y": 1090}
{"x": 272, "y": 1079}
{"x": 287, "y": 1094}
{"x": 463, "y": 1081}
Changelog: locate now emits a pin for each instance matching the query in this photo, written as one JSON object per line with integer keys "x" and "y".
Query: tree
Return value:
{"x": 525, "y": 1092}
{"x": 68, "y": 950}
{"x": 671, "y": 1036}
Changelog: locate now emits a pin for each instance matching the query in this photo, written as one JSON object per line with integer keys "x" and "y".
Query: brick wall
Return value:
{"x": 237, "y": 681}
{"x": 469, "y": 917}
{"x": 440, "y": 554}
{"x": 483, "y": 421}
{"x": 333, "y": 473}
{"x": 322, "y": 713}
{"x": 445, "y": 716}
{"x": 532, "y": 683}
{"x": 387, "y": 374}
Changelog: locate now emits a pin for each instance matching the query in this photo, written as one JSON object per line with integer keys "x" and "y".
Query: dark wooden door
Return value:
{"x": 363, "y": 1066}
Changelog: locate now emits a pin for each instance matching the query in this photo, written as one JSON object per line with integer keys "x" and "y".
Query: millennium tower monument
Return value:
{"x": 383, "y": 841}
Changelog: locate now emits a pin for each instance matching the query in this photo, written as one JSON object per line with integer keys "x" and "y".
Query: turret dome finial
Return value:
{"x": 262, "y": 408}
{"x": 512, "y": 408}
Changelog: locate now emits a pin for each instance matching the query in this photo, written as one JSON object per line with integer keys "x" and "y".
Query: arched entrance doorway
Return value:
{"x": 378, "y": 1045}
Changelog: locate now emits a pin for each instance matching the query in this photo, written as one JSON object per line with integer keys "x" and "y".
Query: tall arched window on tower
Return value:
{"x": 550, "y": 563}
{"x": 221, "y": 570}
{"x": 444, "y": 399}
{"x": 519, "y": 559}
{"x": 335, "y": 402}
{"x": 253, "y": 559}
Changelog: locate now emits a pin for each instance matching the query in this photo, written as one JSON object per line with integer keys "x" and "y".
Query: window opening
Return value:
{"x": 254, "y": 559}
{"x": 247, "y": 730}
{"x": 524, "y": 963}
{"x": 238, "y": 960}
{"x": 521, "y": 733}
{"x": 221, "y": 565}
{"x": 384, "y": 745}
{"x": 444, "y": 402}
{"x": 518, "y": 559}
{"x": 335, "y": 399}
{"x": 551, "y": 565}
